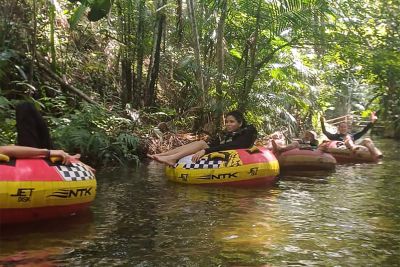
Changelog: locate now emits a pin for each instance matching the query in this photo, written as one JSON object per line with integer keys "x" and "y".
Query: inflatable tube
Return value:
{"x": 344, "y": 155}
{"x": 306, "y": 160}
{"x": 242, "y": 167}
{"x": 36, "y": 189}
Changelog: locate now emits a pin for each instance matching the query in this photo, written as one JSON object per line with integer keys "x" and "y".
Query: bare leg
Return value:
{"x": 179, "y": 149}
{"x": 291, "y": 146}
{"x": 181, "y": 152}
{"x": 277, "y": 148}
{"x": 371, "y": 147}
{"x": 350, "y": 143}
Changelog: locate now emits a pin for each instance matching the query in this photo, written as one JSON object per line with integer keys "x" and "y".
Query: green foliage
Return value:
{"x": 5, "y": 61}
{"x": 78, "y": 13}
{"x": 99, "y": 9}
{"x": 7, "y": 118}
{"x": 284, "y": 61}
{"x": 101, "y": 138}
{"x": 361, "y": 59}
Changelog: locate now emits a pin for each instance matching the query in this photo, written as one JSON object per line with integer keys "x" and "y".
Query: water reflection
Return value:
{"x": 251, "y": 229}
{"x": 350, "y": 217}
{"x": 40, "y": 243}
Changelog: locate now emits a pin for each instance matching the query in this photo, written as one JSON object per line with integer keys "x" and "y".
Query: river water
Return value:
{"x": 350, "y": 217}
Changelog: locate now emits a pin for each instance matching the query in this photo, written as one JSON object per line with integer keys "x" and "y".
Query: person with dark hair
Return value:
{"x": 236, "y": 135}
{"x": 32, "y": 130}
{"x": 33, "y": 137}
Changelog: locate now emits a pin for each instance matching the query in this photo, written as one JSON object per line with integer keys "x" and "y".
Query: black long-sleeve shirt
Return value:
{"x": 244, "y": 138}
{"x": 341, "y": 137}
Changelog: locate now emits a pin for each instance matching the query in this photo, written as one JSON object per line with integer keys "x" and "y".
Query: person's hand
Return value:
{"x": 373, "y": 117}
{"x": 198, "y": 155}
{"x": 66, "y": 158}
{"x": 347, "y": 138}
{"x": 89, "y": 167}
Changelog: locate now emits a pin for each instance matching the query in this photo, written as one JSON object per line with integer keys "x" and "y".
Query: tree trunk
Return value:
{"x": 140, "y": 55}
{"x": 130, "y": 53}
{"x": 249, "y": 70}
{"x": 251, "y": 75}
{"x": 125, "y": 13}
{"x": 52, "y": 18}
{"x": 179, "y": 21}
{"x": 220, "y": 62}
{"x": 33, "y": 45}
{"x": 126, "y": 74}
{"x": 196, "y": 47}
{"x": 154, "y": 66}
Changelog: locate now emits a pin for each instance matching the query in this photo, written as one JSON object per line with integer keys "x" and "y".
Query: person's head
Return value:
{"x": 234, "y": 120}
{"x": 342, "y": 128}
{"x": 32, "y": 130}
{"x": 310, "y": 136}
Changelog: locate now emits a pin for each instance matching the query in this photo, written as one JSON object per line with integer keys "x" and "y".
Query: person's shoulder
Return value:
{"x": 250, "y": 128}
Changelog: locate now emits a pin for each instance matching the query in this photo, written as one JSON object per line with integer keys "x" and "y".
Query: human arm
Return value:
{"x": 215, "y": 141}
{"x": 30, "y": 152}
{"x": 373, "y": 119}
{"x": 359, "y": 134}
{"x": 325, "y": 132}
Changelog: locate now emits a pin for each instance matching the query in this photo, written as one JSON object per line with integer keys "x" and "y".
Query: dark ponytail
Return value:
{"x": 32, "y": 130}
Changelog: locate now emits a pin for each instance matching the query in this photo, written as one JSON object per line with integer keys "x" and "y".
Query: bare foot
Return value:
{"x": 377, "y": 157}
{"x": 275, "y": 148}
{"x": 150, "y": 156}
{"x": 165, "y": 159}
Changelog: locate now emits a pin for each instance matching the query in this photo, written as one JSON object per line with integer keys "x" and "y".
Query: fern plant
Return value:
{"x": 100, "y": 138}
{"x": 7, "y": 118}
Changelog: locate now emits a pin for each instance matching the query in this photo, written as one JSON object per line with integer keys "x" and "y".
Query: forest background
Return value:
{"x": 106, "y": 73}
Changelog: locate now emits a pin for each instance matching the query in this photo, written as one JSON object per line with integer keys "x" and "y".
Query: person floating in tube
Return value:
{"x": 237, "y": 135}
{"x": 349, "y": 139}
{"x": 33, "y": 137}
{"x": 309, "y": 141}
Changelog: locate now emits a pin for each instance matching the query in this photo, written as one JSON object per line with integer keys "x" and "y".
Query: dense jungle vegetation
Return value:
{"x": 105, "y": 73}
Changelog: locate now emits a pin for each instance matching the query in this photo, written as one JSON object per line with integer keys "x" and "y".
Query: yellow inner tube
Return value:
{"x": 229, "y": 168}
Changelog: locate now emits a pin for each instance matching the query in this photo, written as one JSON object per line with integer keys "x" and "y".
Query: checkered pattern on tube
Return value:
{"x": 75, "y": 172}
{"x": 203, "y": 164}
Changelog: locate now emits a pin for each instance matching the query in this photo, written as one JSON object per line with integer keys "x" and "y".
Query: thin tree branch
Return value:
{"x": 66, "y": 86}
